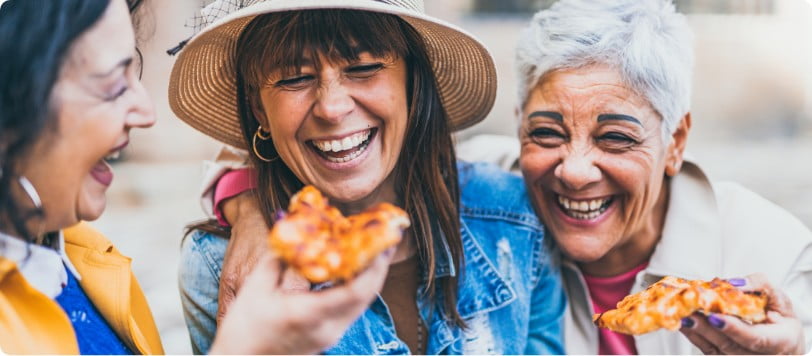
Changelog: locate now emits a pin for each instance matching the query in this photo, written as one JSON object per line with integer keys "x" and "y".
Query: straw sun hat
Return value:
{"x": 203, "y": 91}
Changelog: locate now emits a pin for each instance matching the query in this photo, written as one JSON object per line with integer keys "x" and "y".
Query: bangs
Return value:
{"x": 287, "y": 41}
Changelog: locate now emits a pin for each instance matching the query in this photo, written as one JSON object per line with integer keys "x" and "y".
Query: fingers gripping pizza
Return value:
{"x": 323, "y": 245}
{"x": 665, "y": 303}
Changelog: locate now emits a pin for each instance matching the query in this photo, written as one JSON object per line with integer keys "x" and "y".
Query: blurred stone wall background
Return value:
{"x": 752, "y": 111}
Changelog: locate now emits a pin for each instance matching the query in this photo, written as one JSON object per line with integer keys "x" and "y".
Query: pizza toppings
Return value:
{"x": 665, "y": 303}
{"x": 323, "y": 245}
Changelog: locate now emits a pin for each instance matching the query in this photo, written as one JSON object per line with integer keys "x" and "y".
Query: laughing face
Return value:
{"x": 340, "y": 127}
{"x": 595, "y": 162}
{"x": 96, "y": 100}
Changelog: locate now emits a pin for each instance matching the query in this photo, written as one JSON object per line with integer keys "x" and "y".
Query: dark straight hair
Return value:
{"x": 35, "y": 38}
{"x": 426, "y": 172}
{"x": 35, "y": 41}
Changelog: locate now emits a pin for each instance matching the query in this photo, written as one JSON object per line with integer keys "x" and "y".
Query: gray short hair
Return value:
{"x": 647, "y": 41}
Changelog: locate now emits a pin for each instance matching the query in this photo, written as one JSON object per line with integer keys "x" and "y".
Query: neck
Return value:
{"x": 638, "y": 248}
{"x": 384, "y": 193}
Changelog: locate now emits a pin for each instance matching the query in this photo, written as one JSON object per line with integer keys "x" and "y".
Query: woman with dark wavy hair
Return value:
{"x": 68, "y": 99}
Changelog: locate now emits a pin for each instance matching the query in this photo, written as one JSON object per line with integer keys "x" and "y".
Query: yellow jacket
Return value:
{"x": 30, "y": 322}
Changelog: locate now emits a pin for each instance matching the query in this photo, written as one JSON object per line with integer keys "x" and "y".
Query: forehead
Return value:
{"x": 595, "y": 86}
{"x": 106, "y": 43}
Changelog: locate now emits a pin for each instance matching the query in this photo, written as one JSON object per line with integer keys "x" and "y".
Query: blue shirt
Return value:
{"x": 93, "y": 333}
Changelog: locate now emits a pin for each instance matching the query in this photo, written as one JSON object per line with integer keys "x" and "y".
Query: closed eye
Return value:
{"x": 616, "y": 141}
{"x": 545, "y": 133}
{"x": 547, "y": 137}
{"x": 294, "y": 83}
{"x": 364, "y": 70}
{"x": 617, "y": 137}
{"x": 117, "y": 94}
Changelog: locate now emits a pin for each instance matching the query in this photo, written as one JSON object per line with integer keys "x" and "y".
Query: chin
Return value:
{"x": 92, "y": 210}
{"x": 348, "y": 195}
{"x": 582, "y": 250}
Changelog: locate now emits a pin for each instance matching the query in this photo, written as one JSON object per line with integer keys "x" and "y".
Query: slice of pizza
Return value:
{"x": 665, "y": 303}
{"x": 323, "y": 245}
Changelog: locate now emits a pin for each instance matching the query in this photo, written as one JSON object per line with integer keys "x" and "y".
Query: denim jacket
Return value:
{"x": 510, "y": 294}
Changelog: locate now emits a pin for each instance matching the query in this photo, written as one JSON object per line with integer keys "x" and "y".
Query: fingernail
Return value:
{"x": 716, "y": 321}
{"x": 688, "y": 323}
{"x": 279, "y": 214}
{"x": 737, "y": 282}
{"x": 388, "y": 253}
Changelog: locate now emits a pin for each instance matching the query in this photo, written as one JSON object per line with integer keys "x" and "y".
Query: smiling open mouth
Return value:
{"x": 584, "y": 209}
{"x": 345, "y": 149}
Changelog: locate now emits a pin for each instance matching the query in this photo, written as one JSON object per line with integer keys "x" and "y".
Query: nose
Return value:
{"x": 142, "y": 111}
{"x": 577, "y": 171}
{"x": 333, "y": 102}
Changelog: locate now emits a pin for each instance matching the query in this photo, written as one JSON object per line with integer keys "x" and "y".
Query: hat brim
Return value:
{"x": 202, "y": 86}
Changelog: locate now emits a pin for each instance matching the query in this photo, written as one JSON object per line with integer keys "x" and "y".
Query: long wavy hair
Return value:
{"x": 426, "y": 173}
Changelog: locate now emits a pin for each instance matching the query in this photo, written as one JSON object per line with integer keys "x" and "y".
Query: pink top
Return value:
{"x": 606, "y": 292}
{"x": 230, "y": 184}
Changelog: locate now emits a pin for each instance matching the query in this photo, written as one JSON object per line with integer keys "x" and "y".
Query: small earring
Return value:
{"x": 263, "y": 137}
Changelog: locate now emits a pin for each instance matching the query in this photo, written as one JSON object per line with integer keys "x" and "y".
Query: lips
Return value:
{"x": 101, "y": 171}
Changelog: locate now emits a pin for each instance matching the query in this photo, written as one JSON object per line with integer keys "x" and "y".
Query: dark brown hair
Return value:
{"x": 32, "y": 54}
{"x": 426, "y": 173}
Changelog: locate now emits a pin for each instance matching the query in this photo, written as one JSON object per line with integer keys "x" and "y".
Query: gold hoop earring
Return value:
{"x": 262, "y": 137}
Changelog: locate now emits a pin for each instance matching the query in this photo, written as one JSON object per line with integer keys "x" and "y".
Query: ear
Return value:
{"x": 676, "y": 149}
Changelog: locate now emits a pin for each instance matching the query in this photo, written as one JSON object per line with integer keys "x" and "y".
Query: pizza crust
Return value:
{"x": 320, "y": 243}
{"x": 665, "y": 303}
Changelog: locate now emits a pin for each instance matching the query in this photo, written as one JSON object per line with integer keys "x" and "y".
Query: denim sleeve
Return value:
{"x": 548, "y": 302}
{"x": 199, "y": 279}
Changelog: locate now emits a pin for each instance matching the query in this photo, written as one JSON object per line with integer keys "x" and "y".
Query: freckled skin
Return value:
{"x": 581, "y": 158}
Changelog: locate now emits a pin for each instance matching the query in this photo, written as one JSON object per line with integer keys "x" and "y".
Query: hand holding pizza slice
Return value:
{"x": 323, "y": 245}
{"x": 665, "y": 303}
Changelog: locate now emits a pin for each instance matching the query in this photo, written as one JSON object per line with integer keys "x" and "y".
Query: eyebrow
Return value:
{"x": 621, "y": 117}
{"x": 123, "y": 63}
{"x": 548, "y": 114}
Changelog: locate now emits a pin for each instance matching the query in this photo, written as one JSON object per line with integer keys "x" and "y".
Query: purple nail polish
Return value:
{"x": 688, "y": 323}
{"x": 737, "y": 282}
{"x": 279, "y": 214}
{"x": 716, "y": 321}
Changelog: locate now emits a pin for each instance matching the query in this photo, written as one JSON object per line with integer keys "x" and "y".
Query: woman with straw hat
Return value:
{"x": 69, "y": 100}
{"x": 359, "y": 98}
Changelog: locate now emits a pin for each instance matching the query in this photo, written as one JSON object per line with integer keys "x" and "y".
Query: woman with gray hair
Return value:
{"x": 605, "y": 110}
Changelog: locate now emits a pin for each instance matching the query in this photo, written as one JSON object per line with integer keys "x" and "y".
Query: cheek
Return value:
{"x": 284, "y": 125}
{"x": 536, "y": 162}
{"x": 640, "y": 180}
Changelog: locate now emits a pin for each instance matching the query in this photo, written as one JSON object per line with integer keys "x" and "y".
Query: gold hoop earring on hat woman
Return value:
{"x": 263, "y": 137}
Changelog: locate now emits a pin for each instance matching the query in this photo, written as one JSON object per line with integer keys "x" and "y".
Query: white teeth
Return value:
{"x": 346, "y": 158}
{"x": 113, "y": 156}
{"x": 584, "y": 209}
{"x": 347, "y": 143}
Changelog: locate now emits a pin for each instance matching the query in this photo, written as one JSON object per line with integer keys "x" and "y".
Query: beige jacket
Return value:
{"x": 711, "y": 230}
